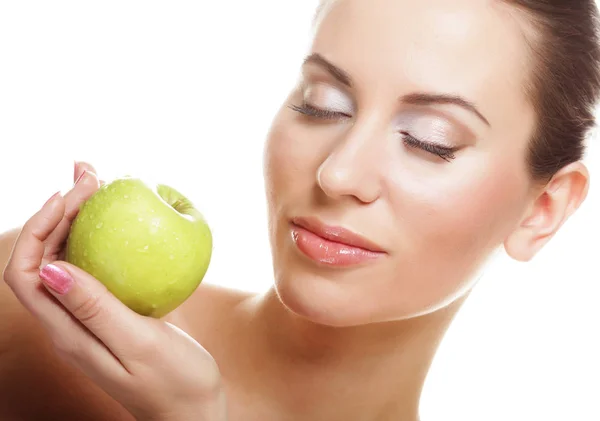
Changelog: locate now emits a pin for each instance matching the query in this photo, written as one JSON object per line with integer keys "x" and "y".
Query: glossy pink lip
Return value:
{"x": 332, "y": 246}
{"x": 337, "y": 234}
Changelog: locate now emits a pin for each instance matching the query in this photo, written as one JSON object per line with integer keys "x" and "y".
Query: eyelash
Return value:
{"x": 313, "y": 111}
{"x": 447, "y": 154}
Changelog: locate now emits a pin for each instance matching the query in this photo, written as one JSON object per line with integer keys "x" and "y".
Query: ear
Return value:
{"x": 558, "y": 200}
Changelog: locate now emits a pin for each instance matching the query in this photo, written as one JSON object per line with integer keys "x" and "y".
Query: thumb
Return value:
{"x": 89, "y": 301}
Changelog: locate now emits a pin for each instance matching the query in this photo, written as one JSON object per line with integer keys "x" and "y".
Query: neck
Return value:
{"x": 374, "y": 371}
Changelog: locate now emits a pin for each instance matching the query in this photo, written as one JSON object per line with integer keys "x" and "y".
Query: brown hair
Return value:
{"x": 564, "y": 86}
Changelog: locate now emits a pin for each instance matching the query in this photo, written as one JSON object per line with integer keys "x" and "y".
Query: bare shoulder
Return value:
{"x": 28, "y": 362}
{"x": 212, "y": 303}
{"x": 220, "y": 297}
{"x": 211, "y": 315}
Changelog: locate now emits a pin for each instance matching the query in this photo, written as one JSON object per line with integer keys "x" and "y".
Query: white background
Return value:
{"x": 185, "y": 93}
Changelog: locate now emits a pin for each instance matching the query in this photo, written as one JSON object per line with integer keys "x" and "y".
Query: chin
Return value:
{"x": 338, "y": 299}
{"x": 320, "y": 301}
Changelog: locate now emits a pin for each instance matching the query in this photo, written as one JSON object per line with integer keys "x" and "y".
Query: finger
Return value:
{"x": 125, "y": 333}
{"x": 21, "y": 272}
{"x": 22, "y": 267}
{"x": 72, "y": 340}
{"x": 22, "y": 276}
{"x": 86, "y": 186}
{"x": 82, "y": 166}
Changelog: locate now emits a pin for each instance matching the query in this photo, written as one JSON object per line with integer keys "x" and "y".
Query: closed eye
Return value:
{"x": 446, "y": 153}
{"x": 312, "y": 111}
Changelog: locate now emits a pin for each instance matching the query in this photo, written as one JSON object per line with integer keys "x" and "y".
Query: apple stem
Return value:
{"x": 177, "y": 204}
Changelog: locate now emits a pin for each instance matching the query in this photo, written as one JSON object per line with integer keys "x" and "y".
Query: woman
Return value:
{"x": 421, "y": 138}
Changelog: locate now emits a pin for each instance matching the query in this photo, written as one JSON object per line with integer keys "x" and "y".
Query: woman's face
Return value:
{"x": 409, "y": 127}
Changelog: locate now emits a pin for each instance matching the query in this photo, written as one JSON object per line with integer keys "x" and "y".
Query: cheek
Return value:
{"x": 280, "y": 166}
{"x": 292, "y": 157}
{"x": 447, "y": 227}
{"x": 459, "y": 217}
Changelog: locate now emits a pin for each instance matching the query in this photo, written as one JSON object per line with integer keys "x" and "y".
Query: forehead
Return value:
{"x": 475, "y": 48}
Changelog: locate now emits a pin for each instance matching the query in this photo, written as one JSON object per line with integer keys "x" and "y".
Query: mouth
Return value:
{"x": 333, "y": 245}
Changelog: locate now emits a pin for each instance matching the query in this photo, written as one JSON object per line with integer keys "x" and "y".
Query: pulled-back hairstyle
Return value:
{"x": 565, "y": 80}
{"x": 564, "y": 84}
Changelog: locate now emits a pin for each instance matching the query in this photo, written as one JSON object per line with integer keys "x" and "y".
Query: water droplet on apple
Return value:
{"x": 141, "y": 219}
{"x": 126, "y": 196}
{"x": 85, "y": 253}
{"x": 126, "y": 242}
{"x": 90, "y": 234}
{"x": 99, "y": 225}
{"x": 171, "y": 257}
{"x": 145, "y": 247}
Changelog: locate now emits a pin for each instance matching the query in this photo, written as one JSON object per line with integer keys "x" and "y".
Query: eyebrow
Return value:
{"x": 422, "y": 98}
{"x": 415, "y": 98}
{"x": 342, "y": 76}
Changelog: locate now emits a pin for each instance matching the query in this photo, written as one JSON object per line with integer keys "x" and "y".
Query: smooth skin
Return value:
{"x": 327, "y": 344}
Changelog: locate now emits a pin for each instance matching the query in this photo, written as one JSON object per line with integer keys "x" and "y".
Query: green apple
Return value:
{"x": 147, "y": 243}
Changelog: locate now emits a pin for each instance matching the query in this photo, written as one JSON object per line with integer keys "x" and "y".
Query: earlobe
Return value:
{"x": 556, "y": 202}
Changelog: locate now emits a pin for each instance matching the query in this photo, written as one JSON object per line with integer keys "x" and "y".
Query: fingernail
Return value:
{"x": 56, "y": 279}
{"x": 75, "y": 168}
{"x": 54, "y": 196}
{"x": 81, "y": 177}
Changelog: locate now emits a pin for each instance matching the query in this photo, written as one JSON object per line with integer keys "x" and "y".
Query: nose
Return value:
{"x": 353, "y": 168}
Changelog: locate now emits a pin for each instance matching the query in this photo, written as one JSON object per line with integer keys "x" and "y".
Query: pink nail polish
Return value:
{"x": 56, "y": 279}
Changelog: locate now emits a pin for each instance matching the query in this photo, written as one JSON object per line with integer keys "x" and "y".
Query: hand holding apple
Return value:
{"x": 154, "y": 369}
{"x": 147, "y": 244}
